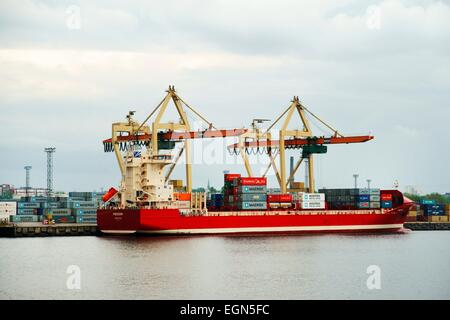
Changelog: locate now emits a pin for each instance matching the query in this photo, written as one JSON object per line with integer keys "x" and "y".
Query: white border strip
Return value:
{"x": 119, "y": 231}
{"x": 273, "y": 229}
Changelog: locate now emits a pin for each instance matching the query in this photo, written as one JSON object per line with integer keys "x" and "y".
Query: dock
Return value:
{"x": 36, "y": 229}
{"x": 427, "y": 226}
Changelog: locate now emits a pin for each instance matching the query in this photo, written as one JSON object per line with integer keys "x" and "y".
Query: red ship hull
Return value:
{"x": 171, "y": 221}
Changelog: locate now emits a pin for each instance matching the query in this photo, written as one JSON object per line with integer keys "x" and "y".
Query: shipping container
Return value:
{"x": 311, "y": 197}
{"x": 62, "y": 211}
{"x": 84, "y": 211}
{"x": 6, "y": 204}
{"x": 437, "y": 218}
{"x": 23, "y": 218}
{"x": 374, "y": 192}
{"x": 27, "y": 211}
{"x": 252, "y": 197}
{"x": 84, "y": 219}
{"x": 250, "y": 181}
{"x": 252, "y": 189}
{"x": 363, "y": 205}
{"x": 386, "y": 197}
{"x": 7, "y": 211}
{"x": 374, "y": 198}
{"x": 363, "y": 198}
{"x": 312, "y": 205}
{"x": 53, "y": 205}
{"x": 216, "y": 196}
{"x": 182, "y": 196}
{"x": 79, "y": 204}
{"x": 182, "y": 204}
{"x": 63, "y": 219}
{"x": 433, "y": 210}
{"x": 229, "y": 177}
{"x": 427, "y": 201}
{"x": 287, "y": 197}
{"x": 252, "y": 205}
{"x": 386, "y": 204}
{"x": 375, "y": 205}
{"x": 28, "y": 205}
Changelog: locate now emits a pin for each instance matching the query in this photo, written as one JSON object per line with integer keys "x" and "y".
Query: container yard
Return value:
{"x": 78, "y": 207}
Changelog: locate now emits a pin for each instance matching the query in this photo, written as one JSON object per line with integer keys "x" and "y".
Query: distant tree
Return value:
{"x": 212, "y": 190}
{"x": 439, "y": 198}
{"x": 201, "y": 189}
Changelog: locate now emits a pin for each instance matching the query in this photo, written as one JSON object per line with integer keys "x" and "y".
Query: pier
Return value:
{"x": 87, "y": 229}
{"x": 42, "y": 230}
{"x": 427, "y": 226}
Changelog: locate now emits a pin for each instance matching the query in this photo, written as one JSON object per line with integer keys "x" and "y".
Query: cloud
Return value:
{"x": 234, "y": 61}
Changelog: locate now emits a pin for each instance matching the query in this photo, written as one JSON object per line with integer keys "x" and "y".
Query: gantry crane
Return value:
{"x": 290, "y": 138}
{"x": 158, "y": 136}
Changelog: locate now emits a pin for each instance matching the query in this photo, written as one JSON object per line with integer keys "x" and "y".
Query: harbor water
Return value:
{"x": 411, "y": 265}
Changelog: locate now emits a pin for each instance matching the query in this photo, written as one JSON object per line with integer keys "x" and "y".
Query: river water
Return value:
{"x": 412, "y": 265}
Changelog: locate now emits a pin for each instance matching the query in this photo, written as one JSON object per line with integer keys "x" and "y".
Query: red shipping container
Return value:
{"x": 252, "y": 181}
{"x": 229, "y": 177}
{"x": 386, "y": 196}
{"x": 287, "y": 197}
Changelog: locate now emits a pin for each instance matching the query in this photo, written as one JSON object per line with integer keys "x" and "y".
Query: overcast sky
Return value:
{"x": 68, "y": 69}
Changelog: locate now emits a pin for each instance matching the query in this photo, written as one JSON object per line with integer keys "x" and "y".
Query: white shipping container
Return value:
{"x": 7, "y": 211}
{"x": 311, "y": 197}
{"x": 182, "y": 204}
{"x": 312, "y": 205}
{"x": 8, "y": 204}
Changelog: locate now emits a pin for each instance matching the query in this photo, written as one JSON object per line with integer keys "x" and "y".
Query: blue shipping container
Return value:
{"x": 427, "y": 201}
{"x": 216, "y": 196}
{"x": 363, "y": 198}
{"x": 386, "y": 204}
{"x": 433, "y": 210}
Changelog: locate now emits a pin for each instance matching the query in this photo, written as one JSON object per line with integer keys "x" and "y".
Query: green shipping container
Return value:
{"x": 23, "y": 218}
{"x": 252, "y": 189}
{"x": 87, "y": 211}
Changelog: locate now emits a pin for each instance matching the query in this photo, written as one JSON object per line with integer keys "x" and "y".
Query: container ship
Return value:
{"x": 149, "y": 202}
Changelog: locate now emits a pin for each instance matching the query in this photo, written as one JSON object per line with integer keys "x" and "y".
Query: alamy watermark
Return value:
{"x": 373, "y": 17}
{"x": 374, "y": 280}
{"x": 74, "y": 279}
{"x": 73, "y": 17}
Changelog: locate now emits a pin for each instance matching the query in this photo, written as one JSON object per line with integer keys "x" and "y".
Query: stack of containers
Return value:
{"x": 370, "y": 199}
{"x": 434, "y": 212}
{"x": 310, "y": 201}
{"x": 82, "y": 206}
{"x": 230, "y": 191}
{"x": 341, "y": 199}
{"x": 413, "y": 214}
{"x": 338, "y": 199}
{"x": 182, "y": 200}
{"x": 251, "y": 193}
{"x": 386, "y": 200}
{"x": 278, "y": 200}
{"x": 7, "y": 209}
{"x": 215, "y": 202}
{"x": 26, "y": 212}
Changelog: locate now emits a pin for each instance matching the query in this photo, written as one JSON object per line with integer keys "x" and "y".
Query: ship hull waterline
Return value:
{"x": 171, "y": 222}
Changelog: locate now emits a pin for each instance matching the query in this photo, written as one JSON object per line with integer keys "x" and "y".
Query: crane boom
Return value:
{"x": 176, "y": 136}
{"x": 298, "y": 143}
